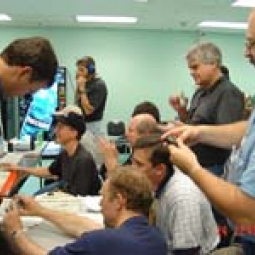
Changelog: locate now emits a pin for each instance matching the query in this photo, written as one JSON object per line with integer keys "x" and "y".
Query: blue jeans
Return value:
{"x": 50, "y": 187}
{"x": 216, "y": 170}
{"x": 248, "y": 246}
{"x": 95, "y": 128}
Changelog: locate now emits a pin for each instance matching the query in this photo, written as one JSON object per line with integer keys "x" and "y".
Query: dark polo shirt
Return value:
{"x": 222, "y": 103}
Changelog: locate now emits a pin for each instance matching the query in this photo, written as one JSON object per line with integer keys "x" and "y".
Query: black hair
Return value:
{"x": 147, "y": 107}
{"x": 159, "y": 150}
{"x": 36, "y": 52}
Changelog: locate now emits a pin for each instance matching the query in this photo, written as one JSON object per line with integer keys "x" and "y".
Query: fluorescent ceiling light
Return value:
{"x": 5, "y": 17}
{"x": 219, "y": 24}
{"x": 244, "y": 3}
{"x": 105, "y": 19}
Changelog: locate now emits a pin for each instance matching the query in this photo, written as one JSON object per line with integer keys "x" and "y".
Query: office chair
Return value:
{"x": 116, "y": 128}
{"x": 116, "y": 132}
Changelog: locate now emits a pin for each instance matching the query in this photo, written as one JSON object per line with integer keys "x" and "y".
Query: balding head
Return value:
{"x": 139, "y": 125}
{"x": 250, "y": 39}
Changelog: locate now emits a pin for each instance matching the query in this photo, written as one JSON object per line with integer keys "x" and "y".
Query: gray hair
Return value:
{"x": 206, "y": 53}
{"x": 146, "y": 127}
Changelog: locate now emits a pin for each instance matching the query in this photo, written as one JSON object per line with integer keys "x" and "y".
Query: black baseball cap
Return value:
{"x": 72, "y": 116}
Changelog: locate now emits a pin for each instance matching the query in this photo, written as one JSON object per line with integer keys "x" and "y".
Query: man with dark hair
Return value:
{"x": 26, "y": 65}
{"x": 91, "y": 94}
{"x": 147, "y": 107}
{"x": 183, "y": 213}
{"x": 126, "y": 200}
{"x": 74, "y": 166}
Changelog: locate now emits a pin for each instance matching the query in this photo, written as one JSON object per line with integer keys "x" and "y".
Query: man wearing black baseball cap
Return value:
{"x": 74, "y": 166}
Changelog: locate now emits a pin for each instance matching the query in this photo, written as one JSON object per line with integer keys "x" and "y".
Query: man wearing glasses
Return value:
{"x": 235, "y": 198}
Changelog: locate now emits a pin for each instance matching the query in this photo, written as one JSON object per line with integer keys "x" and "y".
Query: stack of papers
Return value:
{"x": 90, "y": 204}
{"x": 60, "y": 201}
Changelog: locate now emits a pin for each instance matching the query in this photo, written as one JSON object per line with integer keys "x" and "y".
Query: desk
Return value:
{"x": 46, "y": 234}
{"x": 24, "y": 158}
{"x": 49, "y": 236}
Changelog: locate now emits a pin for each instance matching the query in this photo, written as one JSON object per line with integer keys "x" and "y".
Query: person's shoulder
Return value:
{"x": 229, "y": 85}
{"x": 233, "y": 90}
{"x": 83, "y": 153}
{"x": 103, "y": 235}
{"x": 181, "y": 186}
{"x": 100, "y": 83}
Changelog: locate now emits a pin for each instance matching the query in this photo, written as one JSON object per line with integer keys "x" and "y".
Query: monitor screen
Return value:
{"x": 39, "y": 116}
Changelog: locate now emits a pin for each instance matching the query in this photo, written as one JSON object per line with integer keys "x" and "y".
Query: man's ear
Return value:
{"x": 160, "y": 170}
{"x": 25, "y": 71}
{"x": 121, "y": 201}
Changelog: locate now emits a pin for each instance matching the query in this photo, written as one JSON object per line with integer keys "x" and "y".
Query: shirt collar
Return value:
{"x": 163, "y": 183}
{"x": 134, "y": 220}
{"x": 214, "y": 86}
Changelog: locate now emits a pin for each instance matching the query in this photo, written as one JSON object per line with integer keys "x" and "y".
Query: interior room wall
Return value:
{"x": 138, "y": 65}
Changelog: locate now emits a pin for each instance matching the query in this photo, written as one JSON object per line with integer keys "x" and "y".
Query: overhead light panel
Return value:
{"x": 244, "y": 3}
{"x": 5, "y": 17}
{"x": 105, "y": 19}
{"x": 220, "y": 24}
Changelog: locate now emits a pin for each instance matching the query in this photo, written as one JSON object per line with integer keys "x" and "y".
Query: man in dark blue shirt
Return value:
{"x": 126, "y": 199}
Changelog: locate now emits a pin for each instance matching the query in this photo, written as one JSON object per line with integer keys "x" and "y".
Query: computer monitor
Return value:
{"x": 39, "y": 116}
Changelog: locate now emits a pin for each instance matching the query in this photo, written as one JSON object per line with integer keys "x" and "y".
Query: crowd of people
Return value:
{"x": 172, "y": 196}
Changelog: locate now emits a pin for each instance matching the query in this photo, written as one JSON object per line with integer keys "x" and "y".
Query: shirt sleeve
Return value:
{"x": 97, "y": 94}
{"x": 247, "y": 179}
{"x": 55, "y": 167}
{"x": 230, "y": 107}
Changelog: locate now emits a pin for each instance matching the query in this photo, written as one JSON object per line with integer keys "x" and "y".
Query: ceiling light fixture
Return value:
{"x": 220, "y": 24}
{"x": 5, "y": 17}
{"x": 244, "y": 3}
{"x": 105, "y": 19}
{"x": 141, "y": 1}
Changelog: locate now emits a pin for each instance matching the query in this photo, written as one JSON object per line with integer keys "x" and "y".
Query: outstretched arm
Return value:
{"x": 71, "y": 224}
{"x": 226, "y": 197}
{"x": 16, "y": 235}
{"x": 224, "y": 136}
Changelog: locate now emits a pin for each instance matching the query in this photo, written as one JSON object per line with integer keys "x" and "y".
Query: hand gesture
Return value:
{"x": 175, "y": 102}
{"x": 183, "y": 158}
{"x": 81, "y": 82}
{"x": 185, "y": 133}
{"x": 11, "y": 220}
{"x": 109, "y": 152}
{"x": 28, "y": 206}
